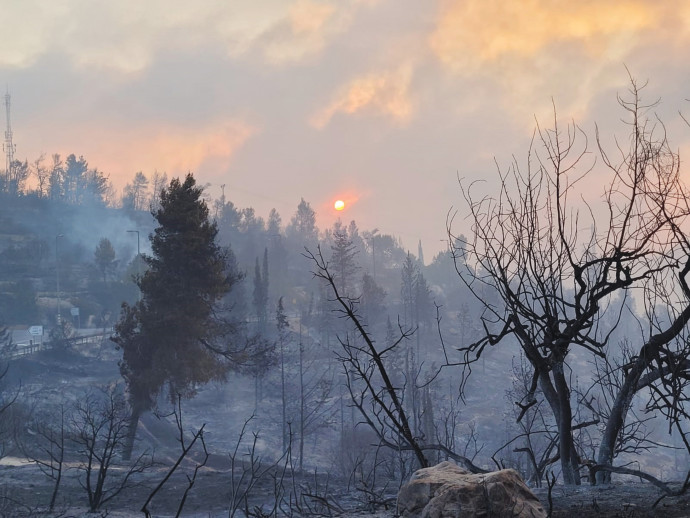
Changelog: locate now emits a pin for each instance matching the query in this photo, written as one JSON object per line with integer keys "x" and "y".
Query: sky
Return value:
{"x": 384, "y": 104}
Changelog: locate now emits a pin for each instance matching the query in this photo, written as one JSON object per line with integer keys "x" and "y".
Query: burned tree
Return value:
{"x": 388, "y": 418}
{"x": 50, "y": 458}
{"x": 377, "y": 398}
{"x": 555, "y": 268}
{"x": 98, "y": 428}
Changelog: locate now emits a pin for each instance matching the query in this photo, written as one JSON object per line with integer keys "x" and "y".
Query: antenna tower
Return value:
{"x": 9, "y": 146}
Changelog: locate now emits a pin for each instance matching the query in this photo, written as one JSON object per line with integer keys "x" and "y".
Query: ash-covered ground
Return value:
{"x": 26, "y": 492}
{"x": 322, "y": 488}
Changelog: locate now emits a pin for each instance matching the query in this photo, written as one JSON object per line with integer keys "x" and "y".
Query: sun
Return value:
{"x": 339, "y": 205}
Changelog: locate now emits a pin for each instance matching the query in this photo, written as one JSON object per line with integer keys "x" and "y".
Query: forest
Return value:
{"x": 155, "y": 337}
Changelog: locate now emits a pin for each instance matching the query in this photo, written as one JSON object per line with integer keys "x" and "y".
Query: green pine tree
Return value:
{"x": 168, "y": 336}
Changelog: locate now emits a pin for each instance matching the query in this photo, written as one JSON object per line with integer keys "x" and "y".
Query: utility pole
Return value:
{"x": 57, "y": 273}
{"x": 8, "y": 146}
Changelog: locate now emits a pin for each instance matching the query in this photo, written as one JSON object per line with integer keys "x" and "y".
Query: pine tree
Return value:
{"x": 407, "y": 290}
{"x": 343, "y": 259}
{"x": 303, "y": 224}
{"x": 301, "y": 233}
{"x": 264, "y": 287}
{"x": 277, "y": 254}
{"x": 104, "y": 256}
{"x": 423, "y": 303}
{"x": 371, "y": 300}
{"x": 257, "y": 295}
{"x": 260, "y": 296}
{"x": 167, "y": 337}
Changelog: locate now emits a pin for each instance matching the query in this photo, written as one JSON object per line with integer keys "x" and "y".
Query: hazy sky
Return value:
{"x": 382, "y": 103}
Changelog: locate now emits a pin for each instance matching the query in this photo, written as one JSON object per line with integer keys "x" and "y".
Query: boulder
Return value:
{"x": 447, "y": 490}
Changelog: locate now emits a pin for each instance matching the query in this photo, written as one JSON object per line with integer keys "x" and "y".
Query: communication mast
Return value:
{"x": 8, "y": 146}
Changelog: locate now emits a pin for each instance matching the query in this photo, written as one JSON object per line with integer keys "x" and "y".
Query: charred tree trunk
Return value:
{"x": 634, "y": 381}
{"x": 132, "y": 425}
{"x": 564, "y": 418}
{"x": 283, "y": 400}
{"x": 302, "y": 424}
{"x": 557, "y": 394}
{"x": 384, "y": 395}
{"x": 616, "y": 421}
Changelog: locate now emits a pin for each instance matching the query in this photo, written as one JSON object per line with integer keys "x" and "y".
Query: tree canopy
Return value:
{"x": 167, "y": 337}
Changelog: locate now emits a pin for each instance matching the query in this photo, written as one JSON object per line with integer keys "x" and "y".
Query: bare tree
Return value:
{"x": 7, "y": 400}
{"x": 312, "y": 407}
{"x": 42, "y": 175}
{"x": 282, "y": 326}
{"x": 635, "y": 436}
{"x": 537, "y": 435}
{"x": 50, "y": 458}
{"x": 158, "y": 182}
{"x": 186, "y": 447}
{"x": 554, "y": 268}
{"x": 244, "y": 476}
{"x": 99, "y": 430}
{"x": 388, "y": 407}
{"x": 379, "y": 401}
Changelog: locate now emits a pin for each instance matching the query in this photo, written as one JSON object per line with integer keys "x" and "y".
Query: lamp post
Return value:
{"x": 57, "y": 274}
{"x": 138, "y": 258}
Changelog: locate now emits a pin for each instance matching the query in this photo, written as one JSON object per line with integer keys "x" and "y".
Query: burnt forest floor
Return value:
{"x": 25, "y": 492}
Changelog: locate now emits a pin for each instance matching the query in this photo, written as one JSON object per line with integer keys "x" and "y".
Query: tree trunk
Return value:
{"x": 564, "y": 418}
{"x": 256, "y": 392}
{"x": 282, "y": 394}
{"x": 616, "y": 421}
{"x": 60, "y": 461}
{"x": 131, "y": 433}
{"x": 302, "y": 424}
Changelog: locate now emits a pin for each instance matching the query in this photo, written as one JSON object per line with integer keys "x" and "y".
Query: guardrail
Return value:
{"x": 25, "y": 348}
{"x": 22, "y": 349}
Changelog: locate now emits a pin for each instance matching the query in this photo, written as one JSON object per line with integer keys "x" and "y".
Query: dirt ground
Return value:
{"x": 49, "y": 379}
{"x": 26, "y": 491}
{"x": 617, "y": 500}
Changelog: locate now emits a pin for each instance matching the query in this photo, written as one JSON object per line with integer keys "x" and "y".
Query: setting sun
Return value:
{"x": 339, "y": 205}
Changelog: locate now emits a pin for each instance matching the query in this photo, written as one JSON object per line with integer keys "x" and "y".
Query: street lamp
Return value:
{"x": 57, "y": 273}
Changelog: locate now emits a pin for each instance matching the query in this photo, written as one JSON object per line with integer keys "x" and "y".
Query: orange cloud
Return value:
{"x": 120, "y": 153}
{"x": 381, "y": 94}
{"x": 307, "y": 17}
{"x": 471, "y": 33}
{"x": 189, "y": 149}
{"x": 538, "y": 50}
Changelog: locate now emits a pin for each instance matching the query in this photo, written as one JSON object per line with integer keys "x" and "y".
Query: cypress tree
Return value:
{"x": 167, "y": 336}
